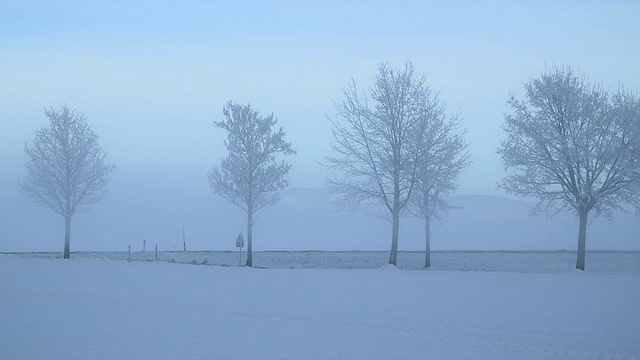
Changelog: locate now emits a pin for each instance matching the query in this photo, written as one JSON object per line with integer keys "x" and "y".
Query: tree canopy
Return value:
{"x": 67, "y": 169}
{"x": 377, "y": 136}
{"x": 250, "y": 174}
{"x": 572, "y": 145}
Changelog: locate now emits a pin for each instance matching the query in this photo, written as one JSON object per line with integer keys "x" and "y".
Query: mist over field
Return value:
{"x": 152, "y": 79}
{"x": 304, "y": 219}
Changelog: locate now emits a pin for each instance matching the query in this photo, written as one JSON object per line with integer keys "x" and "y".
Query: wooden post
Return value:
{"x": 184, "y": 240}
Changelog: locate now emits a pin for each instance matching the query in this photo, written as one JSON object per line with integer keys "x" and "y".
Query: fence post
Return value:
{"x": 184, "y": 240}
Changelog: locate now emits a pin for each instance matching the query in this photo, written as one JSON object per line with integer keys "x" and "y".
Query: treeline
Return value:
{"x": 569, "y": 143}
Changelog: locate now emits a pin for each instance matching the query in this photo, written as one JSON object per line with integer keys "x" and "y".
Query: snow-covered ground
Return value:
{"x": 87, "y": 308}
{"x": 510, "y": 261}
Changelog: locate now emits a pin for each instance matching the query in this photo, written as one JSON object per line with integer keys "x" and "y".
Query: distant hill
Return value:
{"x": 153, "y": 205}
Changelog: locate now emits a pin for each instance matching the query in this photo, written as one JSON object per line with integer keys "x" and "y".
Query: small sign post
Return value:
{"x": 240, "y": 245}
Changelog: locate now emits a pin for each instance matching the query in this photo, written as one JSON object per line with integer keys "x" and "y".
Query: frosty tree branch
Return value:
{"x": 444, "y": 155}
{"x": 573, "y": 146}
{"x": 377, "y": 146}
{"x": 250, "y": 175}
{"x": 67, "y": 169}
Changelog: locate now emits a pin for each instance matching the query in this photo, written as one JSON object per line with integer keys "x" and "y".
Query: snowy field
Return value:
{"x": 509, "y": 261}
{"x": 100, "y": 308}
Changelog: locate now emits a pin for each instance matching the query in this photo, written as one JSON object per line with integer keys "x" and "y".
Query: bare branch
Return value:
{"x": 376, "y": 141}
{"x": 572, "y": 145}
{"x": 67, "y": 169}
{"x": 444, "y": 155}
{"x": 250, "y": 175}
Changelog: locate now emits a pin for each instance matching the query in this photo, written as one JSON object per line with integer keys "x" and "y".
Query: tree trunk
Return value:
{"x": 249, "y": 238}
{"x": 396, "y": 223}
{"x": 582, "y": 239}
{"x": 394, "y": 239}
{"x": 427, "y": 254}
{"x": 67, "y": 237}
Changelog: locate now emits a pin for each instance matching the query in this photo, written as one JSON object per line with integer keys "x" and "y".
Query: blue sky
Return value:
{"x": 153, "y": 76}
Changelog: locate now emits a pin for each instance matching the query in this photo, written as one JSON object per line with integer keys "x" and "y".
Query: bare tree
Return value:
{"x": 377, "y": 146}
{"x": 573, "y": 146}
{"x": 444, "y": 156}
{"x": 626, "y": 110}
{"x": 67, "y": 169}
{"x": 250, "y": 175}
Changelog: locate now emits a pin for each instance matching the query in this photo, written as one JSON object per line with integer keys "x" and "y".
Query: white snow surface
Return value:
{"x": 110, "y": 309}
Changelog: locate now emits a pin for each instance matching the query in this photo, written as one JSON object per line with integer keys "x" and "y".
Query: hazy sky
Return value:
{"x": 153, "y": 76}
